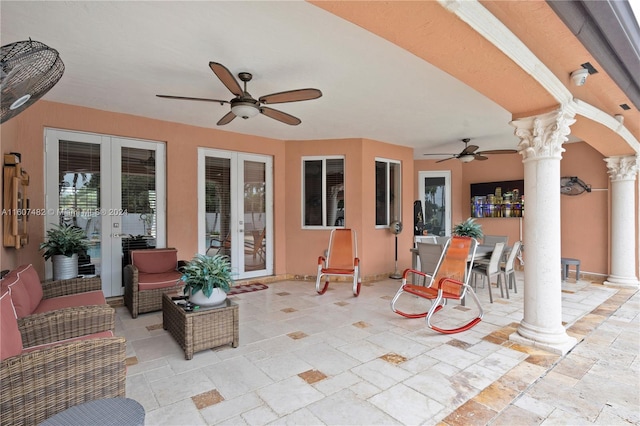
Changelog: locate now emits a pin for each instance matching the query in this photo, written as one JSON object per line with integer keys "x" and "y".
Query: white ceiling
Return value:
{"x": 119, "y": 54}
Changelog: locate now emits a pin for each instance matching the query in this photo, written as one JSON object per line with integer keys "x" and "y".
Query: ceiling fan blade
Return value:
{"x": 186, "y": 98}
{"x": 469, "y": 149}
{"x": 448, "y": 153}
{"x": 291, "y": 96}
{"x": 498, "y": 151}
{"x": 477, "y": 156}
{"x": 228, "y": 117}
{"x": 226, "y": 78}
{"x": 440, "y": 161}
{"x": 280, "y": 116}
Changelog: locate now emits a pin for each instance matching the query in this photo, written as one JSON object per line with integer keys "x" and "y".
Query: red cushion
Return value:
{"x": 71, "y": 300}
{"x": 154, "y": 281}
{"x": 10, "y": 338}
{"x": 19, "y": 294}
{"x": 29, "y": 276}
{"x": 102, "y": 334}
{"x": 155, "y": 261}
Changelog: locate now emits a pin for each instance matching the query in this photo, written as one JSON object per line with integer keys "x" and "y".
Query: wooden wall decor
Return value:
{"x": 15, "y": 208}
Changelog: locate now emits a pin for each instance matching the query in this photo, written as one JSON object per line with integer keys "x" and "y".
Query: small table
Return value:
{"x": 565, "y": 262}
{"x": 104, "y": 412}
{"x": 203, "y": 328}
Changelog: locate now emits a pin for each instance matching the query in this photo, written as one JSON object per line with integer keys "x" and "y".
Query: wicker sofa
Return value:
{"x": 37, "y": 382}
{"x": 151, "y": 273}
{"x": 63, "y": 308}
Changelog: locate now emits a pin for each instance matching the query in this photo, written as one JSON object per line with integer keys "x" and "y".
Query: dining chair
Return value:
{"x": 491, "y": 269}
{"x": 429, "y": 255}
{"x": 508, "y": 270}
{"x": 493, "y": 239}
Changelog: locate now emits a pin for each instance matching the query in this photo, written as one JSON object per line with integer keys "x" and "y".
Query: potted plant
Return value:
{"x": 468, "y": 228}
{"x": 207, "y": 279}
{"x": 63, "y": 245}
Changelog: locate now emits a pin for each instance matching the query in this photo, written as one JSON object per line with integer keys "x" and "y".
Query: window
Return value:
{"x": 388, "y": 192}
{"x": 323, "y": 191}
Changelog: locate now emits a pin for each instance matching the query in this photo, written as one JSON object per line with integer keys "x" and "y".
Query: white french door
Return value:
{"x": 114, "y": 189}
{"x": 235, "y": 209}
{"x": 435, "y": 194}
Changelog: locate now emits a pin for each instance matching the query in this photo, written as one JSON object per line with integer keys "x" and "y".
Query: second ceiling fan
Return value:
{"x": 244, "y": 105}
{"x": 470, "y": 153}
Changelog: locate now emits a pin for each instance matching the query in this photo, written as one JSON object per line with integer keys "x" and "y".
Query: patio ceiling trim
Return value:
{"x": 494, "y": 31}
{"x": 592, "y": 113}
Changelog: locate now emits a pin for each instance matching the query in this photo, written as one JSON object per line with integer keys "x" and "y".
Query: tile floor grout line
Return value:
{"x": 554, "y": 364}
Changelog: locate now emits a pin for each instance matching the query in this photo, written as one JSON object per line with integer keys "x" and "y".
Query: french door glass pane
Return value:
{"x": 434, "y": 205}
{"x": 255, "y": 215}
{"x": 139, "y": 200}
{"x": 218, "y": 205}
{"x": 79, "y": 197}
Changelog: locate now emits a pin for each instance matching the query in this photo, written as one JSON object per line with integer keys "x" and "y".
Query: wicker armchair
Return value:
{"x": 152, "y": 273}
{"x": 38, "y": 382}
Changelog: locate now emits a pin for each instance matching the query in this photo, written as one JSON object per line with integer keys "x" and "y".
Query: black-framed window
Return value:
{"x": 323, "y": 197}
{"x": 388, "y": 191}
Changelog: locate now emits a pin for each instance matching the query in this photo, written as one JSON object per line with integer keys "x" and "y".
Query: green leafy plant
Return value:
{"x": 66, "y": 240}
{"x": 206, "y": 273}
{"x": 468, "y": 228}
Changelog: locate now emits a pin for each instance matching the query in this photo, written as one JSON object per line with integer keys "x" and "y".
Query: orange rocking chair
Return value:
{"x": 450, "y": 281}
{"x": 342, "y": 260}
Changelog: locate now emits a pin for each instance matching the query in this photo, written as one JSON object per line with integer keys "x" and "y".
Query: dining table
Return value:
{"x": 483, "y": 251}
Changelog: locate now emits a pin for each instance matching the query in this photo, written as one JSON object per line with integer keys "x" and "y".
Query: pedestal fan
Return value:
{"x": 396, "y": 227}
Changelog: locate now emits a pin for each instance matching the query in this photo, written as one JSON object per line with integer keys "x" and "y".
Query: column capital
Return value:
{"x": 542, "y": 136}
{"x": 622, "y": 167}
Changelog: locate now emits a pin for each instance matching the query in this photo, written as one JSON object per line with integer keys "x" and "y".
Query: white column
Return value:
{"x": 541, "y": 139}
{"x": 623, "y": 171}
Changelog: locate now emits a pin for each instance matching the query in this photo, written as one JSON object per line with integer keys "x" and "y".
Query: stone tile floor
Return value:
{"x": 307, "y": 359}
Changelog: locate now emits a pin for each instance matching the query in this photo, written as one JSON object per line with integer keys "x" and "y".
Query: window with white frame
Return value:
{"x": 323, "y": 199}
{"x": 388, "y": 191}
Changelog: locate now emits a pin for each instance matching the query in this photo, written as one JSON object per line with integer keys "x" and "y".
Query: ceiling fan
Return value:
{"x": 470, "y": 153}
{"x": 245, "y": 106}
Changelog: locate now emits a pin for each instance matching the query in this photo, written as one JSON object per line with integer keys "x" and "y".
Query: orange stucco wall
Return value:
{"x": 376, "y": 247}
{"x": 25, "y": 134}
{"x": 584, "y": 218}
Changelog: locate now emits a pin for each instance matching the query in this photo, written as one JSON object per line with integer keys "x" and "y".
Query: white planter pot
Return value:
{"x": 217, "y": 297}
{"x": 64, "y": 267}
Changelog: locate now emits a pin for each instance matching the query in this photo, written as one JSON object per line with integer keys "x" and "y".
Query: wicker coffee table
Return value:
{"x": 204, "y": 328}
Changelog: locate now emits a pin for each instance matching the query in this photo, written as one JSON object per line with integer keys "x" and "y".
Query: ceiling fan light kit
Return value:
{"x": 245, "y": 108}
{"x": 244, "y": 105}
